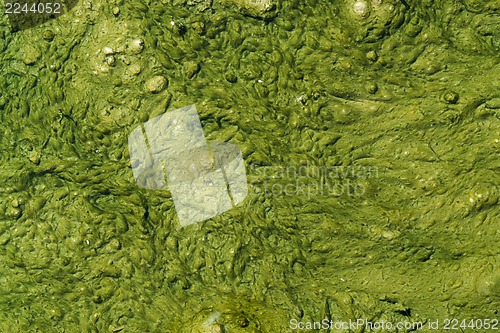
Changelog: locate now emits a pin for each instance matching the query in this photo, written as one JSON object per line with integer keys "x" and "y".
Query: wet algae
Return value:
{"x": 370, "y": 132}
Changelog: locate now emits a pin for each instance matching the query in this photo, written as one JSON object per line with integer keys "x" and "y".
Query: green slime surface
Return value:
{"x": 398, "y": 100}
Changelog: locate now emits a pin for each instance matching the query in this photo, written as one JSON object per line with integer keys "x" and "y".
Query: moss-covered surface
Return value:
{"x": 406, "y": 90}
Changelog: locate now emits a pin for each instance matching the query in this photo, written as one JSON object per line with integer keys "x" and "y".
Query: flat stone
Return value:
{"x": 493, "y": 103}
{"x": 156, "y": 84}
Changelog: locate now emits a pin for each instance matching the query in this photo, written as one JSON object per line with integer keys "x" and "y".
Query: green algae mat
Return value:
{"x": 370, "y": 135}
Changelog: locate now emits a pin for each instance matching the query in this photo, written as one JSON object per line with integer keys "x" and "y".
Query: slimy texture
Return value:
{"x": 370, "y": 133}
